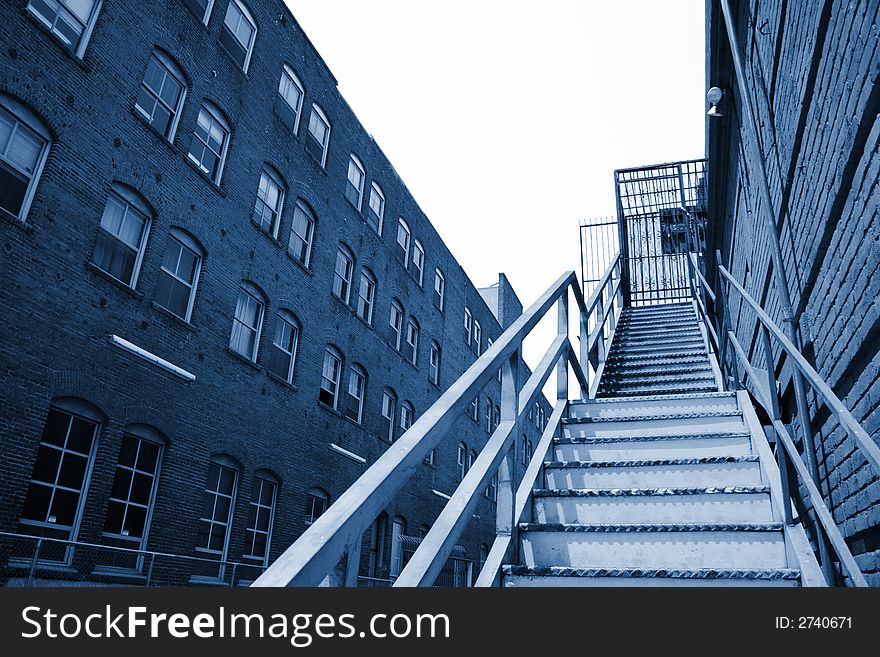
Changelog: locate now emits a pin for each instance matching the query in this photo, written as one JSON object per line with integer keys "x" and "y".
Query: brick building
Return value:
{"x": 219, "y": 301}
{"x": 812, "y": 68}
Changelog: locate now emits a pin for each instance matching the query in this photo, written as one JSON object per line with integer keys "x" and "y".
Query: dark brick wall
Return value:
{"x": 812, "y": 68}
{"x": 57, "y": 311}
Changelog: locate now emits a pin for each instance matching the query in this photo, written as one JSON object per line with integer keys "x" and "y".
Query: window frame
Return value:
{"x": 285, "y": 317}
{"x": 335, "y": 354}
{"x": 413, "y": 331}
{"x": 216, "y": 115}
{"x": 407, "y": 416}
{"x": 130, "y": 200}
{"x": 436, "y": 361}
{"x": 367, "y": 305}
{"x": 79, "y": 48}
{"x": 342, "y": 283}
{"x": 325, "y": 146}
{"x": 357, "y": 376}
{"x": 389, "y": 412}
{"x": 302, "y": 208}
{"x": 186, "y": 242}
{"x": 246, "y": 15}
{"x": 274, "y": 178}
{"x": 439, "y": 294}
{"x": 223, "y": 462}
{"x": 418, "y": 261}
{"x": 264, "y": 477}
{"x": 206, "y": 13}
{"x": 174, "y": 71}
{"x": 293, "y": 80}
{"x": 397, "y": 330}
{"x": 405, "y": 248}
{"x": 21, "y": 115}
{"x": 376, "y": 192}
{"x": 249, "y": 289}
{"x": 462, "y": 461}
{"x": 478, "y": 337}
{"x": 468, "y": 325}
{"x": 313, "y": 494}
{"x": 353, "y": 161}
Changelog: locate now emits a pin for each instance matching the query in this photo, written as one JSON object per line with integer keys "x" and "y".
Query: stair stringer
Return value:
{"x": 505, "y": 546}
{"x": 797, "y": 546}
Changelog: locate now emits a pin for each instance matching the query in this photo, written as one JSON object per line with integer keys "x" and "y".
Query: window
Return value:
{"x": 122, "y": 235}
{"x": 398, "y": 531}
{"x": 407, "y": 414}
{"x": 302, "y": 230}
{"x": 218, "y": 503}
{"x": 284, "y": 346}
{"x": 492, "y": 488}
{"x": 357, "y": 388}
{"x": 377, "y": 546}
{"x": 179, "y": 274}
{"x": 526, "y": 450}
{"x": 329, "y": 392}
{"x": 462, "y": 460}
{"x": 201, "y": 8}
{"x": 291, "y": 92}
{"x": 537, "y": 415}
{"x": 132, "y": 494}
{"x": 366, "y": 296}
{"x": 431, "y": 458}
{"x": 489, "y": 409}
{"x": 56, "y": 494}
{"x": 210, "y": 141}
{"x": 270, "y": 200}
{"x": 376, "y": 215}
{"x": 418, "y": 259}
{"x": 403, "y": 239}
{"x": 354, "y": 186}
{"x": 317, "y": 501}
{"x": 411, "y": 351}
{"x": 436, "y": 353}
{"x": 478, "y": 337}
{"x": 319, "y": 135}
{"x": 496, "y": 417}
{"x": 396, "y": 323}
{"x": 472, "y": 456}
{"x": 342, "y": 275}
{"x": 248, "y": 322}
{"x": 239, "y": 30}
{"x": 70, "y": 20}
{"x": 389, "y": 412}
{"x": 484, "y": 554}
{"x": 468, "y": 325}
{"x": 24, "y": 144}
{"x": 261, "y": 514}
{"x": 473, "y": 410}
{"x": 161, "y": 95}
{"x": 439, "y": 289}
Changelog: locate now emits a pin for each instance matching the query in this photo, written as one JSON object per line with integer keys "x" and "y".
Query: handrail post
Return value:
{"x": 725, "y": 319}
{"x": 773, "y": 397}
{"x": 505, "y": 521}
{"x": 150, "y": 569}
{"x": 33, "y": 567}
{"x": 562, "y": 330}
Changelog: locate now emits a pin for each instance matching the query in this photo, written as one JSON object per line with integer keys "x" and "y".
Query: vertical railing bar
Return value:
{"x": 562, "y": 329}
{"x": 773, "y": 397}
{"x": 150, "y": 568}
{"x": 36, "y": 558}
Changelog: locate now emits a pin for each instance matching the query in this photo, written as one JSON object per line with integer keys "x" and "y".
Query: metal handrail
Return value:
{"x": 329, "y": 550}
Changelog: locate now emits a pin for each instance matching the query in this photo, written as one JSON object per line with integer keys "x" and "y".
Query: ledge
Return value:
{"x": 92, "y": 267}
{"x": 204, "y": 176}
{"x": 333, "y": 447}
{"x": 17, "y": 221}
{"x": 163, "y": 364}
{"x": 170, "y": 315}
{"x": 243, "y": 359}
{"x": 294, "y": 260}
{"x": 277, "y": 379}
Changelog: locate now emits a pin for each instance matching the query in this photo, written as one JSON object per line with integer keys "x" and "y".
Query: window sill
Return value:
{"x": 329, "y": 409}
{"x": 97, "y": 271}
{"x": 355, "y": 209}
{"x": 277, "y": 379}
{"x": 262, "y": 231}
{"x": 299, "y": 264}
{"x": 169, "y": 143}
{"x": 314, "y": 160}
{"x": 68, "y": 50}
{"x": 214, "y": 185}
{"x": 235, "y": 65}
{"x": 284, "y": 124}
{"x": 16, "y": 221}
{"x": 119, "y": 573}
{"x": 174, "y": 318}
{"x": 244, "y": 359}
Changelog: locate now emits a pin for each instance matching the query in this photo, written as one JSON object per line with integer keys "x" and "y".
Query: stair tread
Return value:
{"x": 647, "y": 492}
{"x": 598, "y": 440}
{"x": 633, "y": 378}
{"x": 656, "y": 416}
{"x": 705, "y": 460}
{"x": 695, "y": 395}
{"x": 674, "y": 573}
{"x": 684, "y": 527}
{"x": 604, "y": 394}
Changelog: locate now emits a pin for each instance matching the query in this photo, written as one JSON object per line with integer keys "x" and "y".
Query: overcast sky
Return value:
{"x": 506, "y": 119}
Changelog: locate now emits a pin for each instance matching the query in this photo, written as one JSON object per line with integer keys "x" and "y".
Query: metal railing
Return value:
{"x": 38, "y": 561}
{"x": 329, "y": 551}
{"x": 763, "y": 385}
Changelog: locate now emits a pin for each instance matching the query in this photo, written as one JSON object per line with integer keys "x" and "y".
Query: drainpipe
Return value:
{"x": 788, "y": 318}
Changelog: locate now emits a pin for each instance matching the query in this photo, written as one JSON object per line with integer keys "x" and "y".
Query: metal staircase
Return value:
{"x": 662, "y": 480}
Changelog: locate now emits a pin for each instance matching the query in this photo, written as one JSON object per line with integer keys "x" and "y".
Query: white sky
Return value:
{"x": 507, "y": 118}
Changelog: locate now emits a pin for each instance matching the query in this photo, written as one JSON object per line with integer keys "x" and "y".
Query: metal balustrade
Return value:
{"x": 329, "y": 551}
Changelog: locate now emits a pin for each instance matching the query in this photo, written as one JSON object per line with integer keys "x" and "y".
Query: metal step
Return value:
{"x": 707, "y": 472}
{"x": 738, "y": 545}
{"x": 648, "y": 370}
{"x": 653, "y": 390}
{"x": 557, "y": 576}
{"x": 665, "y": 348}
{"x": 640, "y": 448}
{"x": 653, "y": 405}
{"x": 659, "y": 379}
{"x": 630, "y": 335}
{"x": 743, "y": 504}
{"x": 684, "y": 357}
{"x": 655, "y": 425}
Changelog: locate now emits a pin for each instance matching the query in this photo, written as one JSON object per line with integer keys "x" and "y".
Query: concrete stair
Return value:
{"x": 642, "y": 487}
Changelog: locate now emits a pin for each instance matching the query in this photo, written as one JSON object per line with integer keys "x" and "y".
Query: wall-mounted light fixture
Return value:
{"x": 714, "y": 97}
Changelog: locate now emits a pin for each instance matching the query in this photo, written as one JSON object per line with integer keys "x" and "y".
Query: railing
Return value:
{"x": 34, "y": 560}
{"x": 329, "y": 550}
{"x": 764, "y": 388}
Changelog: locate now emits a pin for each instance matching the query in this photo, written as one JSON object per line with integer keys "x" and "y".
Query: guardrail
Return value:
{"x": 329, "y": 550}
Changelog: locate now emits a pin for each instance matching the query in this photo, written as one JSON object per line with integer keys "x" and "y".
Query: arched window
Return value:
{"x": 317, "y": 501}
{"x": 484, "y": 554}
{"x": 375, "y": 565}
{"x": 354, "y": 185}
{"x": 218, "y": 506}
{"x": 389, "y": 413}
{"x": 472, "y": 456}
{"x": 302, "y": 230}
{"x": 284, "y": 344}
{"x": 247, "y": 325}
{"x": 492, "y": 488}
{"x": 411, "y": 351}
{"x": 489, "y": 409}
{"x": 376, "y": 215}
{"x": 122, "y": 234}
{"x": 418, "y": 259}
{"x": 407, "y": 414}
{"x": 291, "y": 92}
{"x": 478, "y": 337}
{"x": 343, "y": 273}
{"x": 239, "y": 33}
{"x": 462, "y": 460}
{"x": 59, "y": 482}
{"x": 319, "y": 135}
{"x": 468, "y": 324}
{"x": 70, "y": 21}
{"x": 404, "y": 235}
{"x": 24, "y": 145}
{"x": 201, "y": 9}
{"x": 436, "y": 354}
{"x": 270, "y": 201}
{"x": 398, "y": 531}
{"x": 258, "y": 535}
{"x": 439, "y": 289}
{"x": 366, "y": 296}
{"x": 396, "y": 323}
{"x": 210, "y": 141}
{"x": 162, "y": 93}
{"x": 179, "y": 273}
{"x": 330, "y": 375}
{"x": 357, "y": 390}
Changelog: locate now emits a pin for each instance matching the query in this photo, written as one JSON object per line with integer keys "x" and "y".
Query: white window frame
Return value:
{"x": 272, "y": 178}
{"x": 407, "y": 416}
{"x": 462, "y": 461}
{"x": 412, "y": 338}
{"x": 436, "y": 361}
{"x": 377, "y": 193}
{"x": 312, "y": 495}
{"x": 291, "y": 79}
{"x": 318, "y": 113}
{"x": 21, "y": 116}
{"x": 468, "y": 325}
{"x": 355, "y": 166}
{"x": 173, "y": 71}
{"x": 366, "y": 304}
{"x": 79, "y": 48}
{"x": 224, "y": 463}
{"x": 478, "y": 337}
{"x": 334, "y": 355}
{"x": 249, "y": 290}
{"x": 311, "y": 221}
{"x": 216, "y": 116}
{"x": 404, "y": 231}
{"x": 342, "y": 281}
{"x": 188, "y": 243}
{"x": 389, "y": 412}
{"x": 439, "y": 289}
{"x": 396, "y": 329}
{"x": 131, "y": 201}
{"x": 357, "y": 390}
{"x": 248, "y": 17}
{"x": 285, "y": 317}
{"x": 209, "y": 7}
{"x": 263, "y": 477}
{"x": 489, "y": 409}
{"x": 418, "y": 260}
